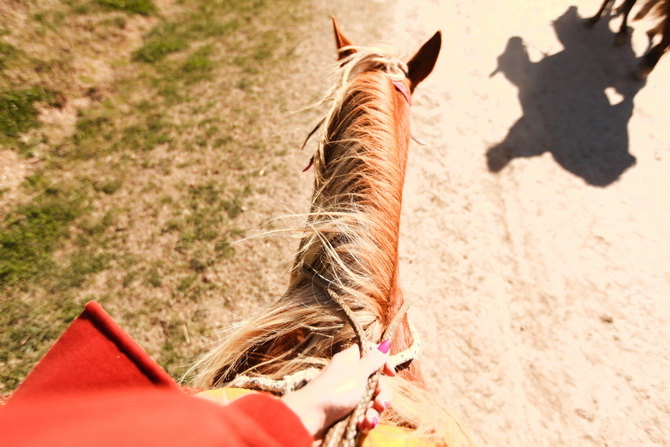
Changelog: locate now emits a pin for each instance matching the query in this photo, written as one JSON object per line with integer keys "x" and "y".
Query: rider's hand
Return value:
{"x": 335, "y": 392}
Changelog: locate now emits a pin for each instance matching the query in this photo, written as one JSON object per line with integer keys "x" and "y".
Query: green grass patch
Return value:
{"x": 18, "y": 113}
{"x": 51, "y": 19}
{"x": 205, "y": 20}
{"x": 92, "y": 137}
{"x": 171, "y": 92}
{"x": 7, "y": 54}
{"x": 103, "y": 132}
{"x": 171, "y": 357}
{"x": 199, "y": 65}
{"x": 205, "y": 231}
{"x": 186, "y": 282}
{"x": 28, "y": 238}
{"x": 130, "y": 7}
{"x": 144, "y": 137}
{"x": 82, "y": 265}
{"x": 142, "y": 7}
{"x": 154, "y": 277}
{"x": 92, "y": 229}
{"x": 161, "y": 41}
{"x": 224, "y": 249}
{"x": 199, "y": 61}
{"x": 109, "y": 186}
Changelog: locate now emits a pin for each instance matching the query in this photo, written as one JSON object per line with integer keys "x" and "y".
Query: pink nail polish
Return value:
{"x": 384, "y": 346}
{"x": 375, "y": 421}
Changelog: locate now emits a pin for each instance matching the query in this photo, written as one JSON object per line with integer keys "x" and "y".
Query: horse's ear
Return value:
{"x": 420, "y": 66}
{"x": 341, "y": 42}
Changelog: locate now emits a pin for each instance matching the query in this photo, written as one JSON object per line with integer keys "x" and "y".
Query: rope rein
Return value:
{"x": 345, "y": 432}
{"x": 297, "y": 380}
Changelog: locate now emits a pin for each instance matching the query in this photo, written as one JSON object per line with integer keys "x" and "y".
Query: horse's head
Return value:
{"x": 363, "y": 64}
{"x": 418, "y": 67}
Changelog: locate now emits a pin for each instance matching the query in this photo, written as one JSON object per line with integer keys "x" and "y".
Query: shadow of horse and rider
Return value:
{"x": 566, "y": 110}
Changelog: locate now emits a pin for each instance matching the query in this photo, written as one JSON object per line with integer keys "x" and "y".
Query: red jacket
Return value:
{"x": 149, "y": 417}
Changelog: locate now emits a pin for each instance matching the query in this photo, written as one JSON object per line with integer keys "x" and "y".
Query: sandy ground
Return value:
{"x": 536, "y": 220}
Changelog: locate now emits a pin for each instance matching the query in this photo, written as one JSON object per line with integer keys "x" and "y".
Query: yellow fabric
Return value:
{"x": 382, "y": 436}
{"x": 224, "y": 395}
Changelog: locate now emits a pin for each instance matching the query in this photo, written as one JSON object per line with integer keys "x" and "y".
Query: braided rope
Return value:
{"x": 409, "y": 354}
{"x": 289, "y": 383}
{"x": 324, "y": 284}
{"x": 351, "y": 432}
{"x": 345, "y": 432}
{"x": 297, "y": 380}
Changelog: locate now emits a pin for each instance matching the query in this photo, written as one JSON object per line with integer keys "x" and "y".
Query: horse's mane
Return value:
{"x": 359, "y": 175}
{"x": 351, "y": 239}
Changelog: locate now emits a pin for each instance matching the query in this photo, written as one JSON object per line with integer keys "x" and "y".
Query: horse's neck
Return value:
{"x": 365, "y": 161}
{"x": 373, "y": 128}
{"x": 397, "y": 135}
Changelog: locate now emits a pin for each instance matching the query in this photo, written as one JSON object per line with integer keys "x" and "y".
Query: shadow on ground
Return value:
{"x": 565, "y": 108}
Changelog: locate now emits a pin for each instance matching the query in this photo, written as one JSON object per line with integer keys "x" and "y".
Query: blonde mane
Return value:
{"x": 351, "y": 239}
{"x": 359, "y": 175}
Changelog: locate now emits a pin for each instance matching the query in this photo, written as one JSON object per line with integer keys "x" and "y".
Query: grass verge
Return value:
{"x": 141, "y": 145}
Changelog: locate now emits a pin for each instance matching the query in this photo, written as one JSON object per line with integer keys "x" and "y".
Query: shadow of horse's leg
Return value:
{"x": 649, "y": 61}
{"x": 593, "y": 20}
{"x": 652, "y": 57}
{"x": 623, "y": 35}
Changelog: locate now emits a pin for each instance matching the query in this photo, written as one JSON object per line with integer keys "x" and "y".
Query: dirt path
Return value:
{"x": 541, "y": 289}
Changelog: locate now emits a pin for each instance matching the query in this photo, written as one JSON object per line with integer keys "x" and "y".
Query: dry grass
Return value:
{"x": 137, "y": 145}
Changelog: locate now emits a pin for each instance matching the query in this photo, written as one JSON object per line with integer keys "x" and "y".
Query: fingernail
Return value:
{"x": 375, "y": 421}
{"x": 384, "y": 346}
{"x": 386, "y": 404}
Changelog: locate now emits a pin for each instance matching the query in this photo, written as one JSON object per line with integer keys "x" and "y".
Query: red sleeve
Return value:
{"x": 141, "y": 418}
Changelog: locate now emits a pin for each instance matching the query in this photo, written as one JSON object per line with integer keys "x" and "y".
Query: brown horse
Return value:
{"x": 349, "y": 245}
{"x": 660, "y": 9}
